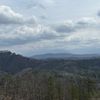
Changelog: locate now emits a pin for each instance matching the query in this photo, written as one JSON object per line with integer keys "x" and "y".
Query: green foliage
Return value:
{"x": 47, "y": 86}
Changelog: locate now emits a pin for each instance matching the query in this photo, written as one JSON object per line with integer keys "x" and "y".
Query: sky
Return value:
{"x": 31, "y": 27}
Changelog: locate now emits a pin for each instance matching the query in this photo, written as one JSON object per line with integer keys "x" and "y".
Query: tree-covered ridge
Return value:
{"x": 48, "y": 86}
{"x": 13, "y": 63}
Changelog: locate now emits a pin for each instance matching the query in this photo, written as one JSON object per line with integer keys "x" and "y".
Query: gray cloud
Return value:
{"x": 23, "y": 34}
{"x": 64, "y": 28}
{"x": 98, "y": 13}
{"x": 43, "y": 17}
{"x": 73, "y": 26}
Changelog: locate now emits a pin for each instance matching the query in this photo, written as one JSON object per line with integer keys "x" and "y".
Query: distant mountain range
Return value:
{"x": 14, "y": 63}
{"x": 65, "y": 56}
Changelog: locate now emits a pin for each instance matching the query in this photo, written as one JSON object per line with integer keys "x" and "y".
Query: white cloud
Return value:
{"x": 24, "y": 34}
{"x": 18, "y": 30}
{"x": 85, "y": 36}
{"x": 69, "y": 32}
{"x": 8, "y": 16}
{"x": 86, "y": 22}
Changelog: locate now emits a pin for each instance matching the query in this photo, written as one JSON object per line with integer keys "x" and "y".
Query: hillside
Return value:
{"x": 13, "y": 63}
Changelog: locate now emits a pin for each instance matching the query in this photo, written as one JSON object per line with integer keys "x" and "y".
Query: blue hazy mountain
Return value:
{"x": 65, "y": 56}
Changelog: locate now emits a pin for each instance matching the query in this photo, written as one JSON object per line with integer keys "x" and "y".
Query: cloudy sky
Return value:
{"x": 32, "y": 27}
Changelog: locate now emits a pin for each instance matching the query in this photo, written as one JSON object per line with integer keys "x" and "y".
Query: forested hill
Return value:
{"x": 13, "y": 63}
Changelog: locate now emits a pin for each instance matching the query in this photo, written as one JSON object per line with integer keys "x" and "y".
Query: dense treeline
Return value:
{"x": 48, "y": 86}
